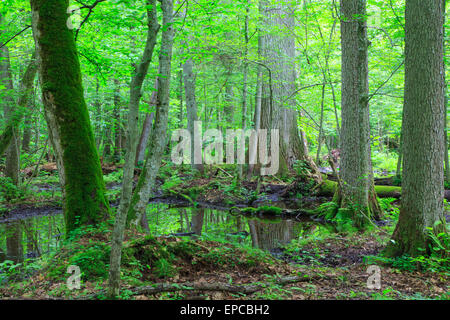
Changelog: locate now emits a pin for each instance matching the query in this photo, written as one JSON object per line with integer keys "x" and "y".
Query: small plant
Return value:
{"x": 164, "y": 268}
{"x": 8, "y": 190}
{"x": 171, "y": 183}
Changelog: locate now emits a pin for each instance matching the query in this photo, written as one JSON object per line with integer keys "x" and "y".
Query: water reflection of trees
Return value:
{"x": 30, "y": 238}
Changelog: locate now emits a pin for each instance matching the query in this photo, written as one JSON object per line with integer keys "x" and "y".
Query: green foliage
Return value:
{"x": 327, "y": 210}
{"x": 160, "y": 258}
{"x": 85, "y": 247}
{"x": 164, "y": 268}
{"x": 10, "y": 271}
{"x": 8, "y": 190}
{"x": 437, "y": 261}
{"x": 93, "y": 261}
{"x": 171, "y": 183}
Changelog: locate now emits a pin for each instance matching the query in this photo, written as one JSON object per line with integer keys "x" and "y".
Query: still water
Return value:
{"x": 35, "y": 236}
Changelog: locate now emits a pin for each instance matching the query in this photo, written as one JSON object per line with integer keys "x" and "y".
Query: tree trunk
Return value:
{"x": 278, "y": 105}
{"x": 9, "y": 106}
{"x": 356, "y": 192}
{"x": 130, "y": 157}
{"x": 158, "y": 139}
{"x": 198, "y": 215}
{"x": 118, "y": 132}
{"x": 423, "y": 127}
{"x": 191, "y": 108}
{"x": 67, "y": 116}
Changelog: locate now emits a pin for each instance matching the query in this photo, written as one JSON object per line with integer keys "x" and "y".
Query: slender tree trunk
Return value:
{"x": 118, "y": 132}
{"x": 400, "y": 155}
{"x": 158, "y": 140}
{"x": 147, "y": 127}
{"x": 191, "y": 107}
{"x": 180, "y": 94}
{"x": 257, "y": 117}
{"x": 145, "y": 134}
{"x": 67, "y": 116}
{"x": 319, "y": 147}
{"x": 423, "y": 128}
{"x": 130, "y": 157}
{"x": 9, "y": 105}
{"x": 26, "y": 86}
{"x": 14, "y": 248}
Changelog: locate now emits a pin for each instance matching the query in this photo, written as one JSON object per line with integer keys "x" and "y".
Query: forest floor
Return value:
{"x": 315, "y": 266}
{"x": 172, "y": 268}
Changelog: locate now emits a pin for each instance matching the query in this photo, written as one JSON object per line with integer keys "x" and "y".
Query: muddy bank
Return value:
{"x": 23, "y": 211}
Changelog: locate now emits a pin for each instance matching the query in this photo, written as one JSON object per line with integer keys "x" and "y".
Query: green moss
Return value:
{"x": 328, "y": 188}
{"x": 264, "y": 210}
{"x": 85, "y": 199}
{"x": 269, "y": 210}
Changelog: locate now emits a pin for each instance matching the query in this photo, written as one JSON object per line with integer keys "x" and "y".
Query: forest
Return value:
{"x": 224, "y": 150}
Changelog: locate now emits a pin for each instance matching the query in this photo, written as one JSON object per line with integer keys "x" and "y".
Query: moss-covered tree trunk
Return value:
{"x": 67, "y": 115}
{"x": 423, "y": 128}
{"x": 355, "y": 196}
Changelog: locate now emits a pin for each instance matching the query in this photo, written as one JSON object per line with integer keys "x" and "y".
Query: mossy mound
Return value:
{"x": 92, "y": 258}
{"x": 159, "y": 258}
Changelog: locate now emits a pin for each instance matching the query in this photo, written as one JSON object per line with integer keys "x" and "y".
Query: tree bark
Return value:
{"x": 356, "y": 192}
{"x": 67, "y": 116}
{"x": 9, "y": 106}
{"x": 278, "y": 110}
{"x": 130, "y": 157}
{"x": 158, "y": 139}
{"x": 118, "y": 132}
{"x": 423, "y": 128}
{"x": 191, "y": 107}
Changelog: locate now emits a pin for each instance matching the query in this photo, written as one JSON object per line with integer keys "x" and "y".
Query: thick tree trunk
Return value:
{"x": 356, "y": 192}
{"x": 278, "y": 105}
{"x": 130, "y": 157}
{"x": 423, "y": 128}
{"x": 14, "y": 245}
{"x": 198, "y": 215}
{"x": 67, "y": 116}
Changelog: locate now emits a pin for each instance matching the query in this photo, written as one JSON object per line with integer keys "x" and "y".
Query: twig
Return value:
{"x": 16, "y": 35}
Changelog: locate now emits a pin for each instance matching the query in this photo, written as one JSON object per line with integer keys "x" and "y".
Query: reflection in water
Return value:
{"x": 30, "y": 238}
{"x": 14, "y": 247}
{"x": 267, "y": 235}
{"x": 33, "y": 237}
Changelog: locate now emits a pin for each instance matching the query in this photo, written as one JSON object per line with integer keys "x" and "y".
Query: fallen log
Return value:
{"x": 205, "y": 286}
{"x": 328, "y": 188}
{"x": 225, "y": 287}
